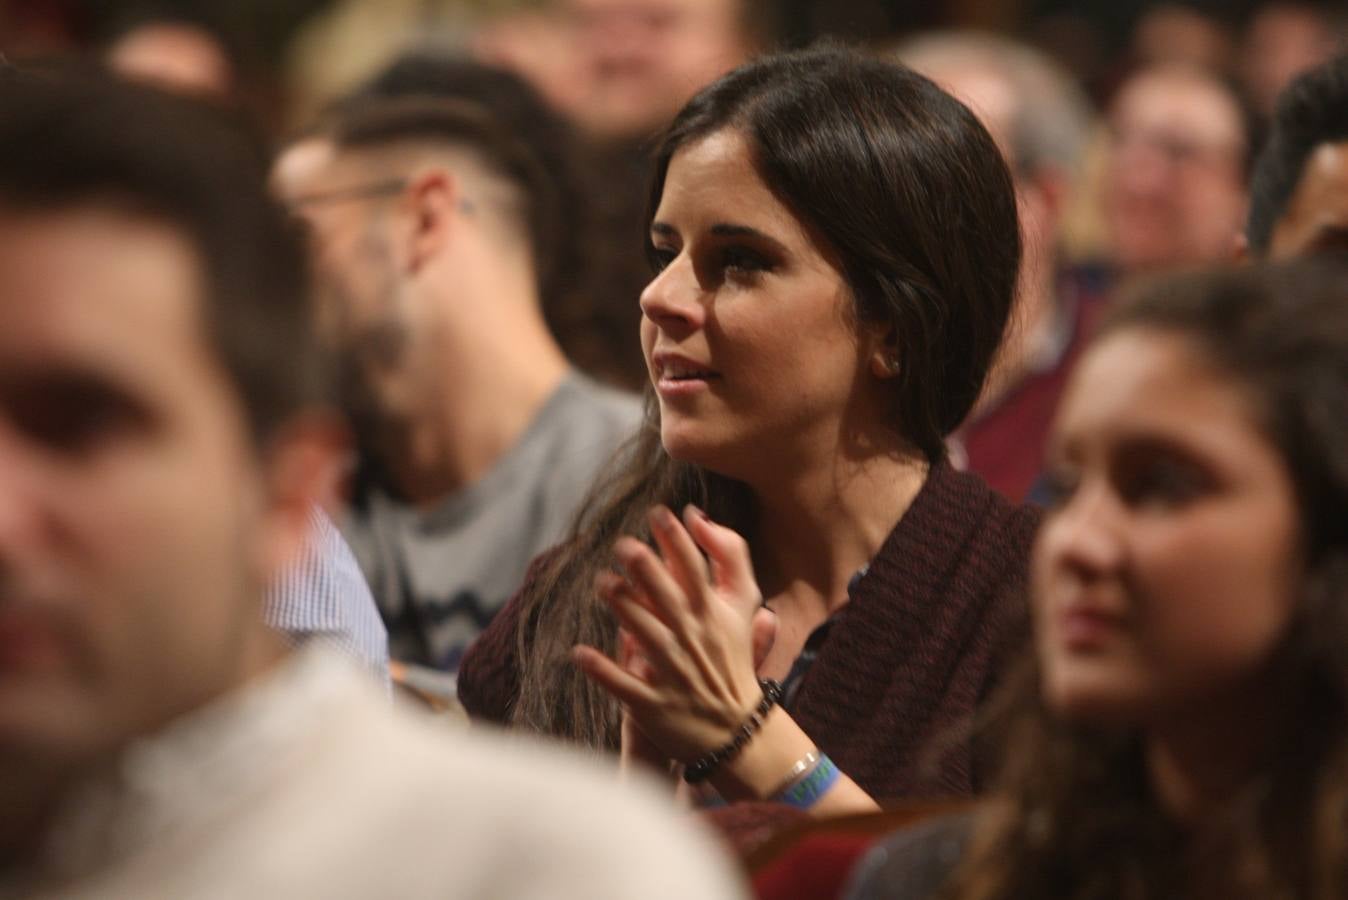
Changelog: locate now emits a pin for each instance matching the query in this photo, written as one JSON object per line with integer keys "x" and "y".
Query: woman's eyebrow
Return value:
{"x": 725, "y": 229}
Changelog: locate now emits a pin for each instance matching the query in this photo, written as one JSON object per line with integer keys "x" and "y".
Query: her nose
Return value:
{"x": 674, "y": 300}
{"x": 1085, "y": 536}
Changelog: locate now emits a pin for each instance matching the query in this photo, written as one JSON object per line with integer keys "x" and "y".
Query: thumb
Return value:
{"x": 763, "y": 628}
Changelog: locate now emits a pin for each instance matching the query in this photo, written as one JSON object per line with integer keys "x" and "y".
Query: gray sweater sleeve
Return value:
{"x": 912, "y": 864}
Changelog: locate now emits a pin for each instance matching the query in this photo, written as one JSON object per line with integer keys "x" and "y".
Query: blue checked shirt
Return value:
{"x": 324, "y": 595}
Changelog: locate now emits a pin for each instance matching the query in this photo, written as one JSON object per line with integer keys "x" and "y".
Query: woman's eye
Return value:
{"x": 660, "y": 258}
{"x": 1163, "y": 484}
{"x": 742, "y": 260}
{"x": 1056, "y": 487}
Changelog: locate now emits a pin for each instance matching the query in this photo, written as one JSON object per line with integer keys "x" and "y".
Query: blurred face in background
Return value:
{"x": 135, "y": 511}
{"x": 1166, "y": 575}
{"x": 641, "y": 60}
{"x": 1282, "y": 41}
{"x": 345, "y": 201}
{"x": 1174, "y": 192}
{"x": 175, "y": 56}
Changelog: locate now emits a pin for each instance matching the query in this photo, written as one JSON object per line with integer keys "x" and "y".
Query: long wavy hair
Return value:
{"x": 908, "y": 191}
{"x": 1074, "y": 815}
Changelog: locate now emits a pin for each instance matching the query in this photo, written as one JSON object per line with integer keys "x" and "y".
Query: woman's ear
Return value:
{"x": 883, "y": 339}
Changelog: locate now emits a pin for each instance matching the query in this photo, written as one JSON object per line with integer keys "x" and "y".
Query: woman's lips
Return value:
{"x": 683, "y": 386}
{"x": 679, "y": 376}
{"x": 1088, "y": 628}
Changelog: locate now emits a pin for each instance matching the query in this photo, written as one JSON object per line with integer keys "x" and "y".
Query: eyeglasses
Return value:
{"x": 385, "y": 188}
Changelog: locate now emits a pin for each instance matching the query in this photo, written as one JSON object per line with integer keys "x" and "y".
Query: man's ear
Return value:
{"x": 305, "y": 464}
{"x": 434, "y": 200}
{"x": 1240, "y": 249}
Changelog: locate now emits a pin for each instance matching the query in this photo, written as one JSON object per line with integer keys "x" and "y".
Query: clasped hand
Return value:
{"x": 692, "y": 631}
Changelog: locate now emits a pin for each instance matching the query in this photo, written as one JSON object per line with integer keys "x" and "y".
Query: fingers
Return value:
{"x": 655, "y": 642}
{"x": 626, "y": 687}
{"x": 732, "y": 568}
{"x": 651, "y": 577}
{"x": 632, "y": 657}
{"x": 684, "y": 560}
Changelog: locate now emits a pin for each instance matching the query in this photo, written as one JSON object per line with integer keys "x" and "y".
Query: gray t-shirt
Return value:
{"x": 439, "y": 576}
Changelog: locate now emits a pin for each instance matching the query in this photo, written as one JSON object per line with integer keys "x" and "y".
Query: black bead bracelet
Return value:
{"x": 701, "y": 768}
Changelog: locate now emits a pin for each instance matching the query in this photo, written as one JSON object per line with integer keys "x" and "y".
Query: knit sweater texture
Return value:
{"x": 924, "y": 638}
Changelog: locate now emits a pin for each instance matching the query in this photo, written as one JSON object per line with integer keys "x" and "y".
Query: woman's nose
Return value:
{"x": 673, "y": 300}
{"x": 1084, "y": 535}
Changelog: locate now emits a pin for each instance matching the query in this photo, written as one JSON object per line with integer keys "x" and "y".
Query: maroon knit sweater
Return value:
{"x": 923, "y": 639}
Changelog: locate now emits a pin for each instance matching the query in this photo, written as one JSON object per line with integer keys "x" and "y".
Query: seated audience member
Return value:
{"x": 594, "y": 330}
{"x": 641, "y": 60}
{"x": 160, "y": 451}
{"x": 323, "y": 596}
{"x": 1174, "y": 183}
{"x": 813, "y": 333}
{"x": 1040, "y": 120}
{"x": 1283, "y": 39}
{"x": 176, "y": 54}
{"x": 1181, "y": 729}
{"x": 1299, "y": 190}
{"x": 430, "y": 223}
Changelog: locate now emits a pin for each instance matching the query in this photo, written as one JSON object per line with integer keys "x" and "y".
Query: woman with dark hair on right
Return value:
{"x": 1182, "y": 728}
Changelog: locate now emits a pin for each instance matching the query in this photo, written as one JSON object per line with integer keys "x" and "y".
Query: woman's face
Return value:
{"x": 747, "y": 329}
{"x": 1168, "y": 572}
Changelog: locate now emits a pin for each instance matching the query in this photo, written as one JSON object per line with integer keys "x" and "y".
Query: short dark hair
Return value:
{"x": 1311, "y": 111}
{"x": 68, "y": 140}
{"x": 369, "y": 121}
{"x": 906, "y": 186}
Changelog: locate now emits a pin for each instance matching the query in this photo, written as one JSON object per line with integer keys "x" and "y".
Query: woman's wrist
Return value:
{"x": 760, "y": 767}
{"x": 705, "y": 765}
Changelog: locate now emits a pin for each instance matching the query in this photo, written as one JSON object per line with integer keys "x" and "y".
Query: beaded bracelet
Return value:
{"x": 804, "y": 792}
{"x": 701, "y": 768}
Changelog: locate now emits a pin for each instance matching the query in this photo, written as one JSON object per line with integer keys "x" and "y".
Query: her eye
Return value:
{"x": 742, "y": 260}
{"x": 660, "y": 258}
{"x": 1056, "y": 486}
{"x": 1162, "y": 483}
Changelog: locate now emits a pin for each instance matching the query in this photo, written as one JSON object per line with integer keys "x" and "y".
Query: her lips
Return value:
{"x": 677, "y": 368}
{"x": 1085, "y": 627}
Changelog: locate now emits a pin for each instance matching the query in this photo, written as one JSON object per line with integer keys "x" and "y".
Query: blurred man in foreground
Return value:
{"x": 161, "y": 446}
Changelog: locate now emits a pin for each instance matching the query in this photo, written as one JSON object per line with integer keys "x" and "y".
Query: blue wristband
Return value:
{"x": 806, "y": 792}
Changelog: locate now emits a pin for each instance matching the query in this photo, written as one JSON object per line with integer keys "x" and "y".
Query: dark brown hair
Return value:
{"x": 907, "y": 189}
{"x": 1074, "y": 816}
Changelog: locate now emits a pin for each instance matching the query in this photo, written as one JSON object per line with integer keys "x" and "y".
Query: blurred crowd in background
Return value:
{"x": 1137, "y": 122}
{"x": 469, "y": 184}
{"x": 1152, "y": 113}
